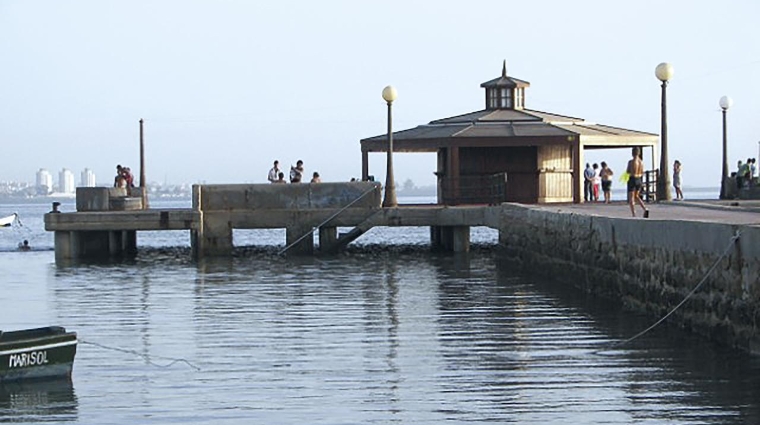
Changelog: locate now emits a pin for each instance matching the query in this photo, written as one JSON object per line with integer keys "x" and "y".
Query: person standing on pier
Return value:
{"x": 296, "y": 173}
{"x": 588, "y": 184}
{"x": 596, "y": 182}
{"x": 677, "y": 179}
{"x": 606, "y": 174}
{"x": 635, "y": 171}
{"x": 274, "y": 172}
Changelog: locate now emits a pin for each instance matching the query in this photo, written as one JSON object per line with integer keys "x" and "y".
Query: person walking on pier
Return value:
{"x": 635, "y": 171}
{"x": 588, "y": 176}
{"x": 274, "y": 172}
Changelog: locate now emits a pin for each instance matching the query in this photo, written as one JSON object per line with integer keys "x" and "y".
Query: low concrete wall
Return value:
{"x": 109, "y": 199}
{"x": 285, "y": 196}
{"x": 649, "y": 265}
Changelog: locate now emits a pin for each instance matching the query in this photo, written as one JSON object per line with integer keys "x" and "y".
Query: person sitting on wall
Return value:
{"x": 280, "y": 178}
{"x": 315, "y": 178}
{"x": 129, "y": 177}
{"x": 24, "y": 246}
{"x": 121, "y": 182}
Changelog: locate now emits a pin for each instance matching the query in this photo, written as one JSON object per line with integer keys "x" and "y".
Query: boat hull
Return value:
{"x": 37, "y": 354}
{"x": 7, "y": 221}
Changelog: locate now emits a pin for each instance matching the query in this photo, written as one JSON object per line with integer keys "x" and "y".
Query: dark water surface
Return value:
{"x": 372, "y": 336}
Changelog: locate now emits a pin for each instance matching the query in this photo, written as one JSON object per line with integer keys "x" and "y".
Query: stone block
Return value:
{"x": 92, "y": 199}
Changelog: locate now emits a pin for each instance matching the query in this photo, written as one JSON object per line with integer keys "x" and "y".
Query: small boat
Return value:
{"x": 7, "y": 221}
{"x": 37, "y": 353}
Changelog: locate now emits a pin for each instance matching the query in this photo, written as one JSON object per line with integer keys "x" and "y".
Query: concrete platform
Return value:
{"x": 726, "y": 212}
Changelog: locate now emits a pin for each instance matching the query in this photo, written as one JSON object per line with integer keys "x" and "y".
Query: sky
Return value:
{"x": 225, "y": 87}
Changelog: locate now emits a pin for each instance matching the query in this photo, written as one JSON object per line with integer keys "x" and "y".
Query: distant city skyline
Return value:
{"x": 227, "y": 87}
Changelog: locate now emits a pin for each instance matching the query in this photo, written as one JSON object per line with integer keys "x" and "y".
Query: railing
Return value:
{"x": 649, "y": 188}
{"x": 478, "y": 189}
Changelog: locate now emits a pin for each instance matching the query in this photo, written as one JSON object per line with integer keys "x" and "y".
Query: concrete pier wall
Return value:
{"x": 296, "y": 207}
{"x": 649, "y": 265}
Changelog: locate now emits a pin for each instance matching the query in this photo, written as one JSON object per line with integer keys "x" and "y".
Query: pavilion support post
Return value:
{"x": 578, "y": 179}
{"x": 452, "y": 175}
{"x": 365, "y": 165}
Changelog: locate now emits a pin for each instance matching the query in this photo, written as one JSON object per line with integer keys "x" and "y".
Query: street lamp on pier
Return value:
{"x": 664, "y": 72}
{"x": 389, "y": 95}
{"x": 725, "y": 103}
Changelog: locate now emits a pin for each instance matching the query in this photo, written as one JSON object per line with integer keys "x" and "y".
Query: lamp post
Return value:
{"x": 389, "y": 95}
{"x": 664, "y": 72}
{"x": 725, "y": 103}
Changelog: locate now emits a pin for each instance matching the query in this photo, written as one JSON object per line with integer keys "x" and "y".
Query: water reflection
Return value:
{"x": 38, "y": 401}
{"x": 382, "y": 336}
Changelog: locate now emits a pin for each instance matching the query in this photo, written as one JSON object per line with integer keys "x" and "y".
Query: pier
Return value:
{"x": 106, "y": 222}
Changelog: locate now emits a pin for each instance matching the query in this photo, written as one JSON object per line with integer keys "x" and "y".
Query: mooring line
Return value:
{"x": 147, "y": 357}
{"x": 692, "y": 292}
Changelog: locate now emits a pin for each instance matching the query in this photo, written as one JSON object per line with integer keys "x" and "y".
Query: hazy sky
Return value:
{"x": 226, "y": 87}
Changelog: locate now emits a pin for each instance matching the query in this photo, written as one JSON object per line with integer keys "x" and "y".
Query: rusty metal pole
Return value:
{"x": 142, "y": 167}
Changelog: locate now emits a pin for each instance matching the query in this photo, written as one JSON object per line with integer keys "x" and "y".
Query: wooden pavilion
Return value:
{"x": 507, "y": 152}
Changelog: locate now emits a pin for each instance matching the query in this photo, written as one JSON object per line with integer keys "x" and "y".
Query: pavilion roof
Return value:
{"x": 509, "y": 127}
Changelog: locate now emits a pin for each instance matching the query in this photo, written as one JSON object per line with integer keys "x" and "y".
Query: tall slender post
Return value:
{"x": 664, "y": 72}
{"x": 142, "y": 167}
{"x": 725, "y": 103}
{"x": 663, "y": 183}
{"x": 389, "y": 94}
{"x": 724, "y": 174}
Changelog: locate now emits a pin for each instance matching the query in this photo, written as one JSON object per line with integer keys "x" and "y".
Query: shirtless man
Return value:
{"x": 635, "y": 172}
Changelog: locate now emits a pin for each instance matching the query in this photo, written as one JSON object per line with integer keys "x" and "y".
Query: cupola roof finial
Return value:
{"x": 504, "y": 69}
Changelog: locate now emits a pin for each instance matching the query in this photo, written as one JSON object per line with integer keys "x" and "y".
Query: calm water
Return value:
{"x": 372, "y": 336}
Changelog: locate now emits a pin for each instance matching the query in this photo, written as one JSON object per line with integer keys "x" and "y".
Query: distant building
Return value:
{"x": 66, "y": 181}
{"x": 87, "y": 178}
{"x": 44, "y": 182}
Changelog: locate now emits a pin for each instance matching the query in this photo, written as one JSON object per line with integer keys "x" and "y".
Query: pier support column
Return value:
{"x": 450, "y": 238}
{"x": 115, "y": 241}
{"x": 213, "y": 236}
{"x": 303, "y": 247}
{"x": 328, "y": 238}
{"x": 66, "y": 245}
{"x": 436, "y": 242}
{"x": 129, "y": 241}
{"x": 460, "y": 238}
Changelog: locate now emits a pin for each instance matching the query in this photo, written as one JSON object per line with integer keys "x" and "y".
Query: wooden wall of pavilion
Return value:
{"x": 534, "y": 174}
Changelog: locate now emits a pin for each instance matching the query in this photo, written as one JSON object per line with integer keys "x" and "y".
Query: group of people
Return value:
{"x": 745, "y": 173}
{"x": 296, "y": 174}
{"x": 124, "y": 177}
{"x": 596, "y": 178}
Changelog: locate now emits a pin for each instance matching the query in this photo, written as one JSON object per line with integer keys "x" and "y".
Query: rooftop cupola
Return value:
{"x": 505, "y": 92}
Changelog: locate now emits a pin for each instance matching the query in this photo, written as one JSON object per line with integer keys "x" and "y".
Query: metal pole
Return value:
{"x": 142, "y": 167}
{"x": 724, "y": 174}
{"x": 663, "y": 182}
{"x": 390, "y": 185}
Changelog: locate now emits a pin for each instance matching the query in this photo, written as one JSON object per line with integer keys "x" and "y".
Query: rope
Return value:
{"x": 692, "y": 292}
{"x": 147, "y": 357}
{"x": 282, "y": 251}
